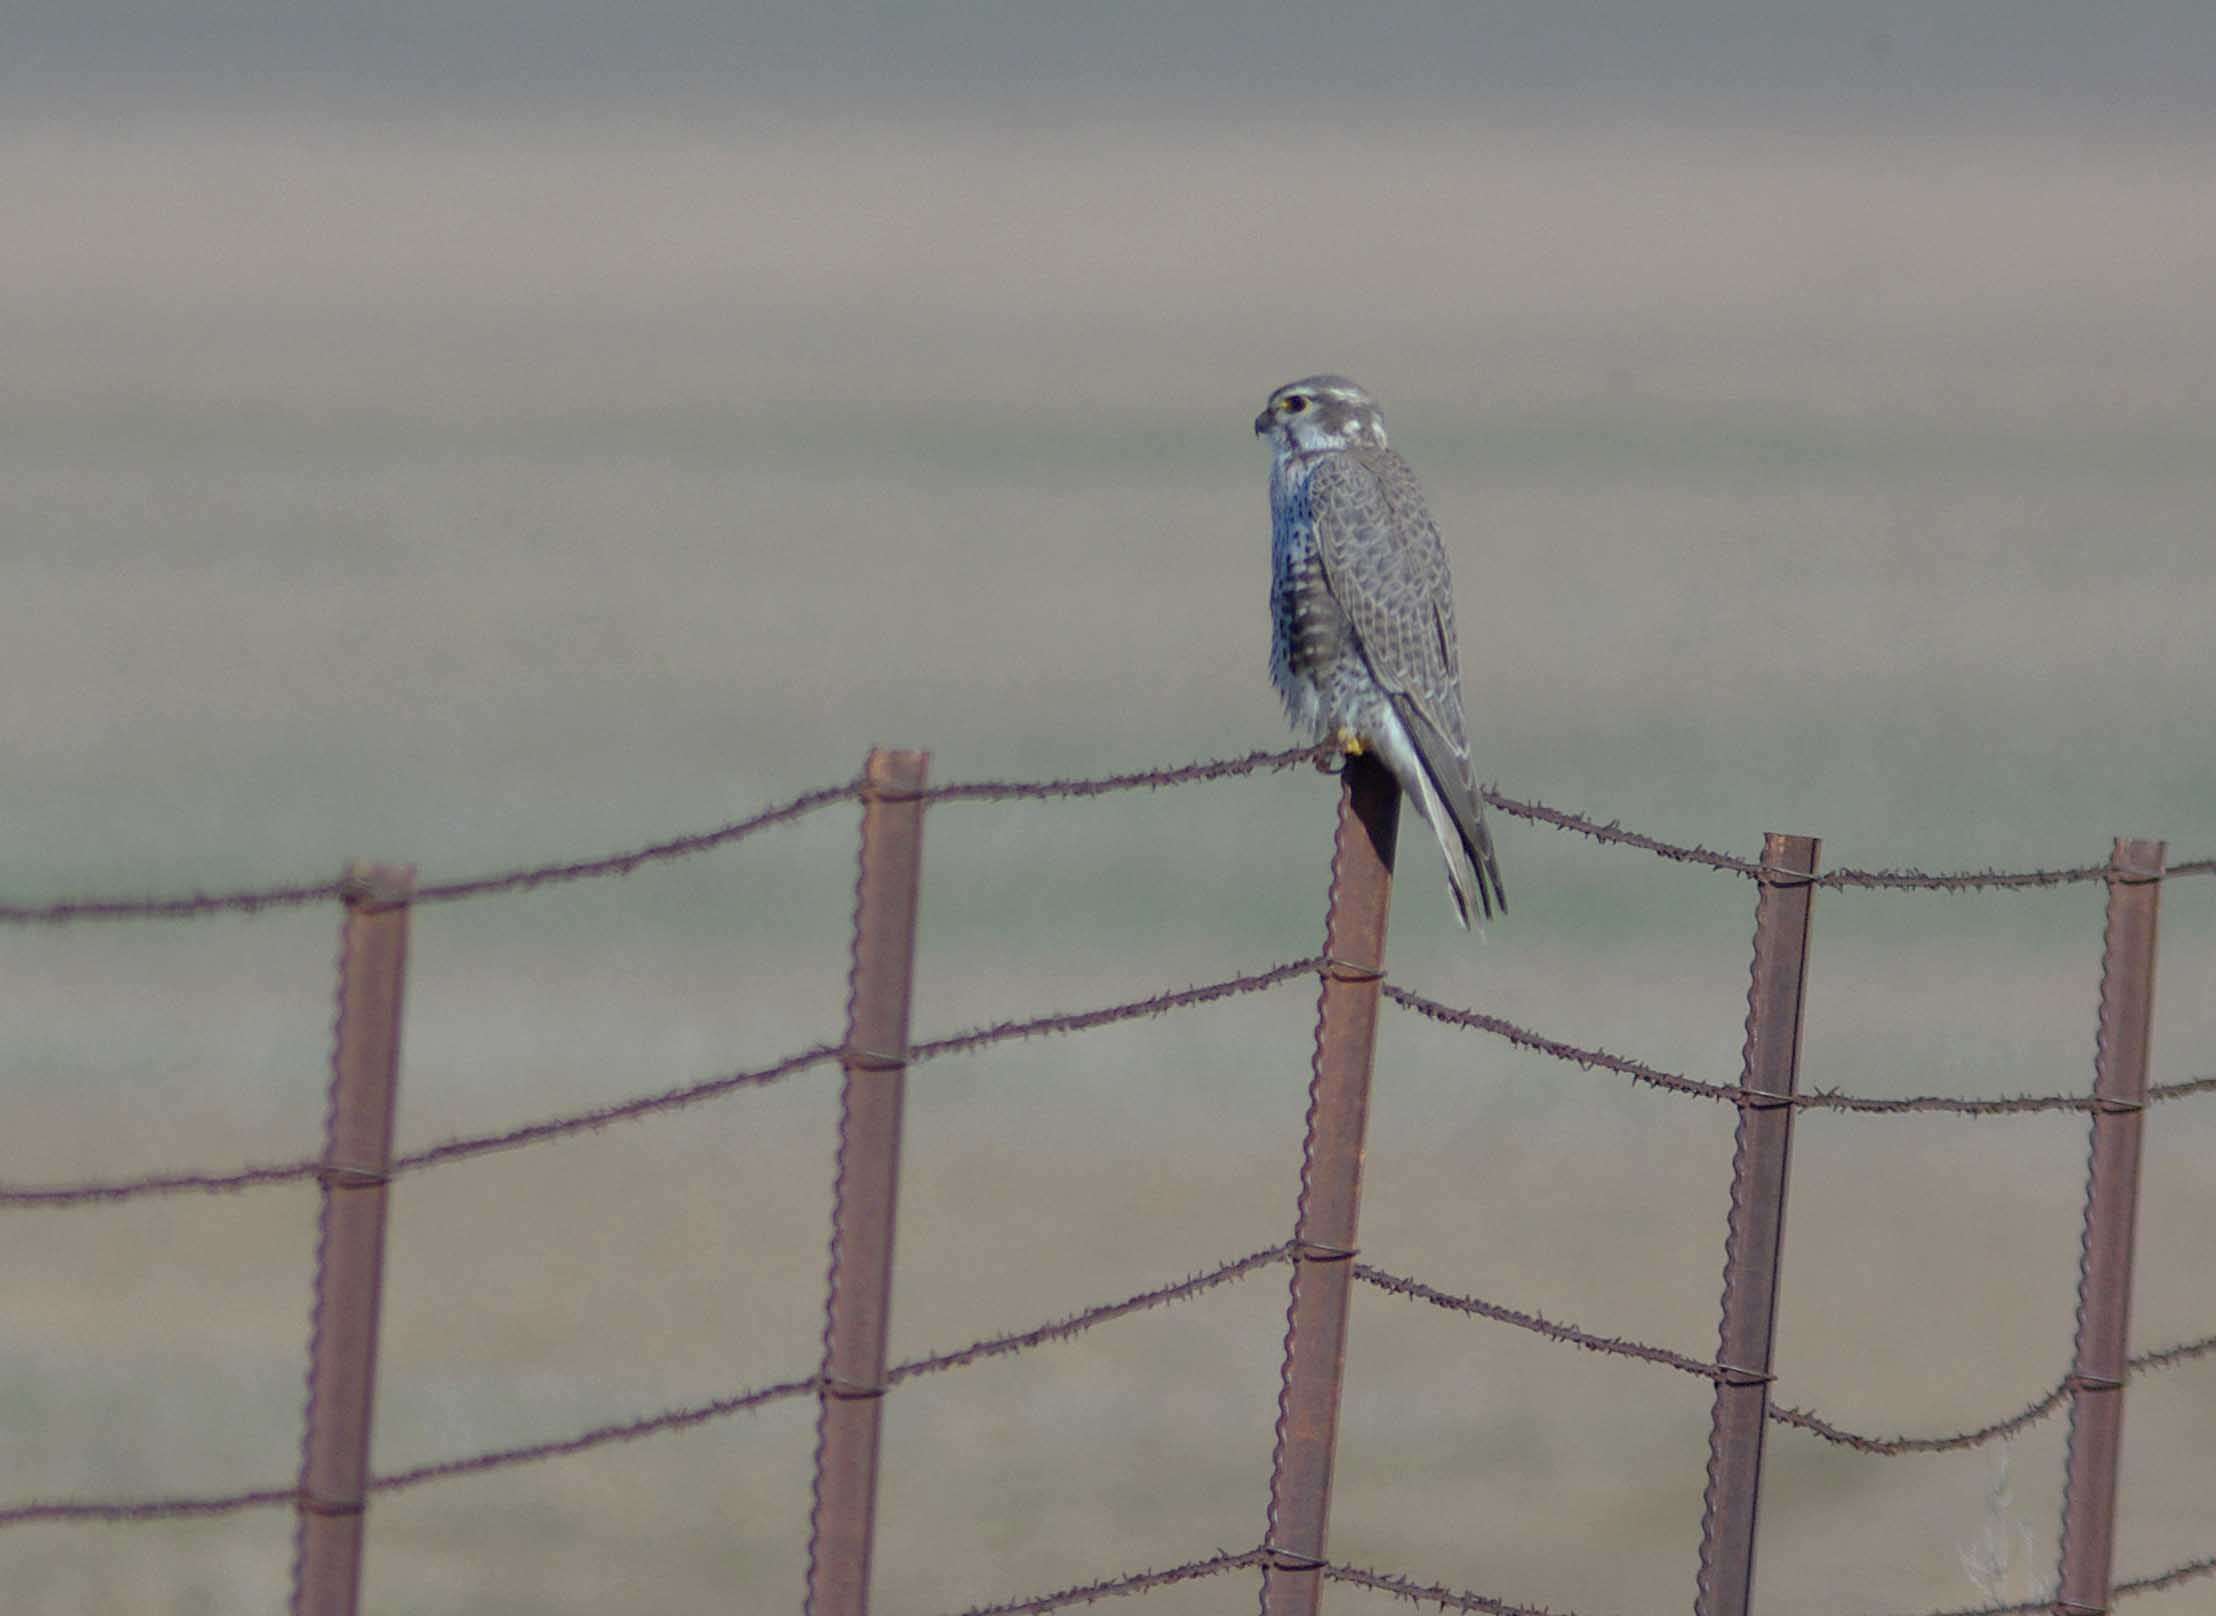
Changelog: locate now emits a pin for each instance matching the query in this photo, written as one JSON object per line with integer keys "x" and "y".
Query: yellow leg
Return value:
{"x": 1349, "y": 742}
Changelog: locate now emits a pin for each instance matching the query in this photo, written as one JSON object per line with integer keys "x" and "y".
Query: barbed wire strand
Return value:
{"x": 1431, "y": 1593}
{"x": 126, "y": 1189}
{"x": 252, "y": 901}
{"x": 2032, "y": 1414}
{"x": 1139, "y": 780}
{"x": 1732, "y": 1094}
{"x": 692, "y": 1094}
{"x": 1525, "y": 1038}
{"x": 1076, "y": 1324}
{"x": 143, "y": 1509}
{"x": 1889, "y": 1447}
{"x": 199, "y": 904}
{"x": 1614, "y": 834}
{"x": 2178, "y": 1091}
{"x": 191, "y": 906}
{"x": 1136, "y": 1582}
{"x": 1897, "y": 880}
{"x": 675, "y": 1419}
{"x": 2171, "y": 1357}
{"x": 1902, "y": 879}
{"x": 1702, "y": 1369}
{"x": 1086, "y": 1020}
{"x": 2171, "y": 1578}
{"x": 1538, "y": 1324}
{"x": 676, "y": 847}
{"x": 60, "y": 1195}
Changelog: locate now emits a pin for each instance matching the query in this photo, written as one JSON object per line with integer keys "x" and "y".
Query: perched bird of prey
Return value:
{"x": 1363, "y": 615}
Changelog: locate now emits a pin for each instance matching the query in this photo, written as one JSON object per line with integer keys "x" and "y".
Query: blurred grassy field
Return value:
{"x": 479, "y": 495}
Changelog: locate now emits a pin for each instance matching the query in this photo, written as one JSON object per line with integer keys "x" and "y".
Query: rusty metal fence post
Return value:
{"x": 2111, "y": 1216}
{"x": 1754, "y": 1242}
{"x": 1330, "y": 1190}
{"x": 350, "y": 1243}
{"x": 865, "y": 1199}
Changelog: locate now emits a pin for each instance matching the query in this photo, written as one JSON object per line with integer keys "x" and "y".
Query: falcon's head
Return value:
{"x": 1320, "y": 413}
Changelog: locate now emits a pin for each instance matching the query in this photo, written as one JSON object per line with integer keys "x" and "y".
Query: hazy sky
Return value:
{"x": 2145, "y": 55}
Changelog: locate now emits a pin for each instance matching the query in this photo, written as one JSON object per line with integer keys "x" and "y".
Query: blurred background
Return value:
{"x": 479, "y": 433}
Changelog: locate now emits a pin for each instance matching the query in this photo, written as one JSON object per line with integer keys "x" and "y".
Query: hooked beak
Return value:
{"x": 1262, "y": 423}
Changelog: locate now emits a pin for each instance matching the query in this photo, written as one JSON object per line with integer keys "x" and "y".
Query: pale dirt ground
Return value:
{"x": 485, "y": 494}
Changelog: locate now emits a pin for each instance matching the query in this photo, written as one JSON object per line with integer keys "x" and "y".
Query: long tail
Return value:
{"x": 1463, "y": 881}
{"x": 1434, "y": 779}
{"x": 1471, "y": 831}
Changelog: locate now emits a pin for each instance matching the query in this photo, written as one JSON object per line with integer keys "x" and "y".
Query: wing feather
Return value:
{"x": 1386, "y": 567}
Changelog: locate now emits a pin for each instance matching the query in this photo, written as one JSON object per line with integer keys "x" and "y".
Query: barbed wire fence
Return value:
{"x": 330, "y": 1494}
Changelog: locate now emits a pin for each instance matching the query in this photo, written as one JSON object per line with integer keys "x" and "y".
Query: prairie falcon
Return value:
{"x": 1362, "y": 611}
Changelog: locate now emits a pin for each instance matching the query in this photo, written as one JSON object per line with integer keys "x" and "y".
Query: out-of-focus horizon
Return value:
{"x": 479, "y": 433}
{"x": 395, "y": 401}
{"x": 2139, "y": 58}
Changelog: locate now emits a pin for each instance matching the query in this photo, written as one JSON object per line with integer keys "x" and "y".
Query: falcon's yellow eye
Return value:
{"x": 1293, "y": 406}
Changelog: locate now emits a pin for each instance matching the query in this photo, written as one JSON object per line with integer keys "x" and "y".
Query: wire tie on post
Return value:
{"x": 2110, "y": 1105}
{"x": 1318, "y": 1251}
{"x": 871, "y": 1060}
{"x": 1763, "y": 1099}
{"x": 1291, "y": 1560}
{"x": 1339, "y": 970}
{"x": 2081, "y": 1382}
{"x": 850, "y": 1391}
{"x": 868, "y": 792}
{"x": 309, "y": 1504}
{"x": 1733, "y": 1375}
{"x": 347, "y": 1176}
{"x": 2070, "y": 1607}
{"x": 1776, "y": 875}
{"x": 2132, "y": 875}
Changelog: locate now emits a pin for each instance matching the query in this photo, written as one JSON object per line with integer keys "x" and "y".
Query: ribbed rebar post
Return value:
{"x": 1330, "y": 1190}
{"x": 1754, "y": 1242}
{"x": 865, "y": 1199}
{"x": 350, "y": 1245}
{"x": 2099, "y": 1370}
